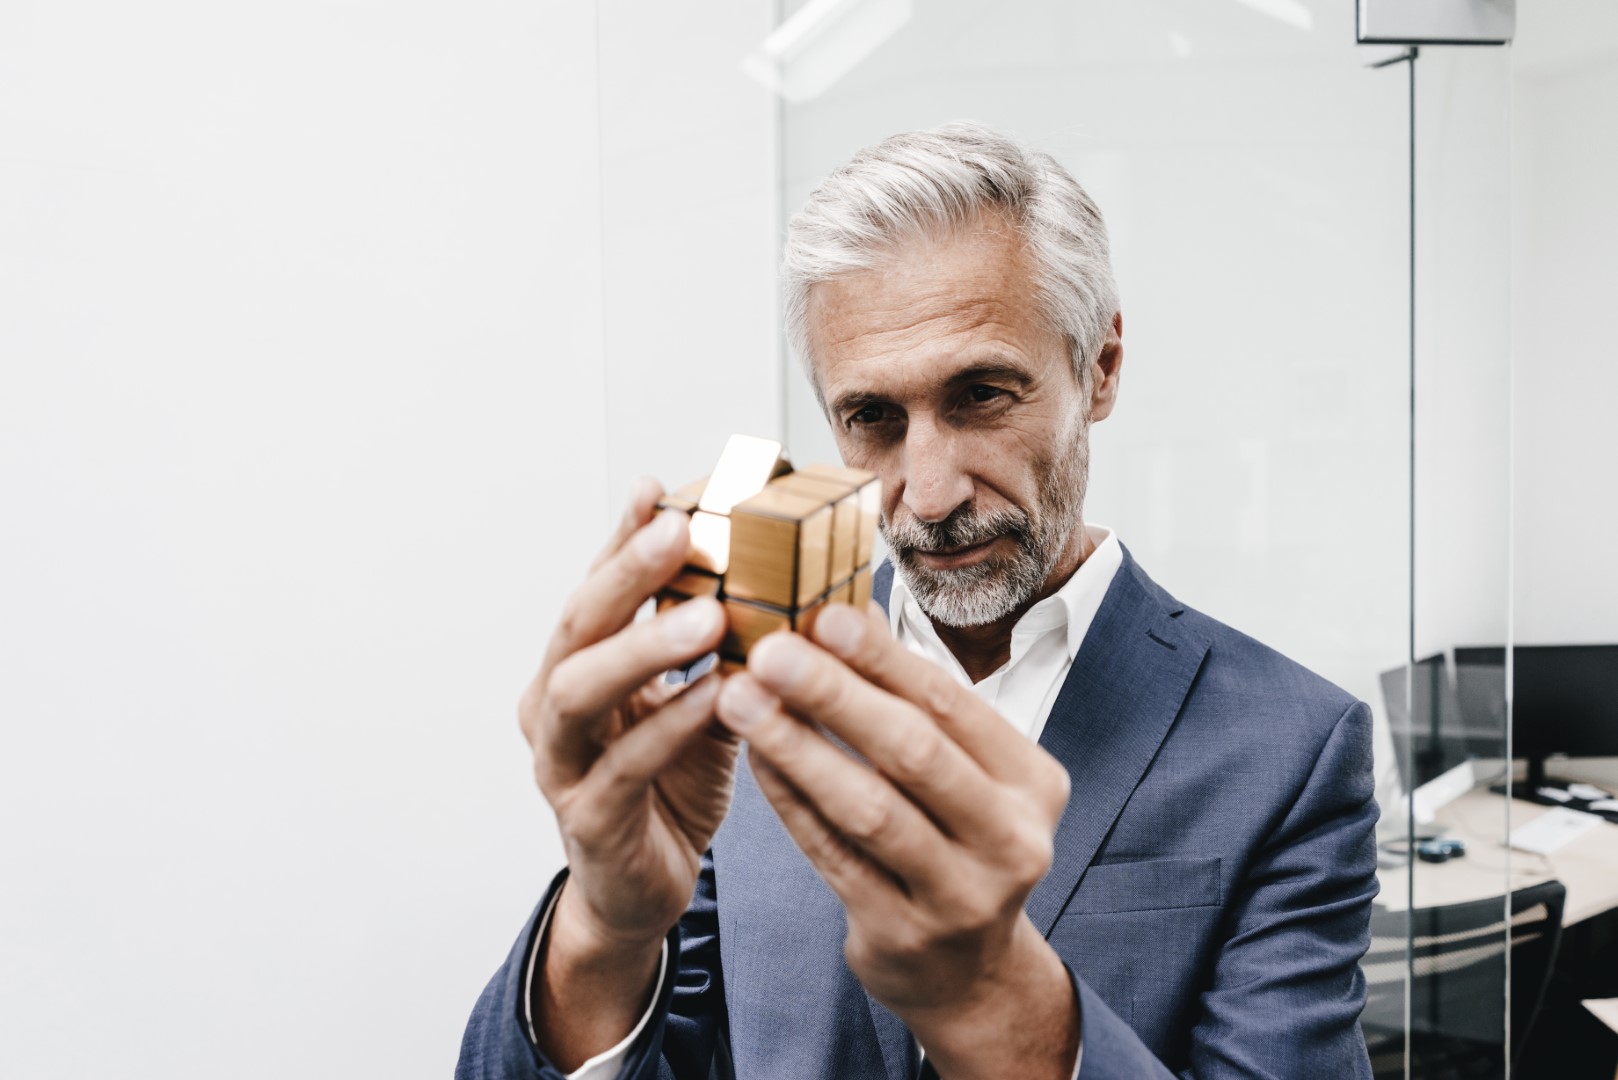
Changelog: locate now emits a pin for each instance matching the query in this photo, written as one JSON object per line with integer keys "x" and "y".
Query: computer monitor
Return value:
{"x": 1434, "y": 734}
{"x": 1564, "y": 699}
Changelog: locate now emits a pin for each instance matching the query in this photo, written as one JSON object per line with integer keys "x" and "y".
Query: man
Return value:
{"x": 1040, "y": 820}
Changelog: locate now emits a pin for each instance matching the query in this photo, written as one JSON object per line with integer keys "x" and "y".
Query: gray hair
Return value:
{"x": 928, "y": 182}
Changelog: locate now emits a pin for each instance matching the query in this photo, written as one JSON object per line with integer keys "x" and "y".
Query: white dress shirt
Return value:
{"x": 1043, "y": 644}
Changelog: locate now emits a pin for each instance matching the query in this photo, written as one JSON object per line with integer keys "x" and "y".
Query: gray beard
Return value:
{"x": 997, "y": 586}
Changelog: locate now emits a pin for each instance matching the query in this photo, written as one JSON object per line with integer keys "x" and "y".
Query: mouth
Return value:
{"x": 955, "y": 558}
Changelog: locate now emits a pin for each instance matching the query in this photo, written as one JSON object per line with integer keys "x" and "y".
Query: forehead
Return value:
{"x": 933, "y": 306}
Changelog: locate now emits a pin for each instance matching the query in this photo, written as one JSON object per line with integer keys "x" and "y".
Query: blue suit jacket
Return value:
{"x": 1210, "y": 893}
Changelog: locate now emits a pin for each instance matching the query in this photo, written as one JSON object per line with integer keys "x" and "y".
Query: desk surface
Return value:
{"x": 1588, "y": 866}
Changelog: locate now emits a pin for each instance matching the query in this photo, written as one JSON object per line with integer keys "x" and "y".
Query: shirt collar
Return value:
{"x": 1074, "y": 604}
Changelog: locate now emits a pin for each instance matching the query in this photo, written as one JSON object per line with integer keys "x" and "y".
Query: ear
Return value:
{"x": 1106, "y": 370}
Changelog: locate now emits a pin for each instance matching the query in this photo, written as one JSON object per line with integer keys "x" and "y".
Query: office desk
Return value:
{"x": 1588, "y": 866}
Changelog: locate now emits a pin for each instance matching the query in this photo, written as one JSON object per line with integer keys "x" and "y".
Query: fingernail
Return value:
{"x": 743, "y": 703}
{"x": 652, "y": 541}
{"x": 778, "y": 659}
{"x": 841, "y": 629}
{"x": 692, "y": 622}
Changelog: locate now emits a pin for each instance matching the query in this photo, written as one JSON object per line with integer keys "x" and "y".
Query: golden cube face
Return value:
{"x": 862, "y": 587}
{"x": 844, "y": 501}
{"x": 744, "y": 468}
{"x": 748, "y": 622}
{"x": 774, "y": 545}
{"x": 689, "y": 583}
{"x": 778, "y": 548}
{"x": 710, "y": 542}
{"x": 869, "y": 497}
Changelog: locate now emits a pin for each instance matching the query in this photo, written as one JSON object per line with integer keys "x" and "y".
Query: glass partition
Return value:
{"x": 1254, "y": 176}
{"x": 1564, "y": 598}
{"x": 1364, "y": 406}
{"x": 689, "y": 244}
{"x": 1448, "y": 887}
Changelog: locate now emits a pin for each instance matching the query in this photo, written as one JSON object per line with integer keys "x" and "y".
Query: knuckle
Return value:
{"x": 1028, "y": 856}
{"x": 857, "y": 952}
{"x": 1058, "y": 786}
{"x": 910, "y": 943}
{"x": 938, "y": 697}
{"x": 917, "y": 758}
{"x": 565, "y": 691}
{"x": 776, "y": 734}
{"x": 570, "y": 624}
{"x": 832, "y": 853}
{"x": 975, "y": 912}
{"x": 871, "y": 819}
{"x": 828, "y": 695}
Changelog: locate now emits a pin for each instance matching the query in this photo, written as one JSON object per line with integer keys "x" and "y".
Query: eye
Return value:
{"x": 981, "y": 394}
{"x": 870, "y": 414}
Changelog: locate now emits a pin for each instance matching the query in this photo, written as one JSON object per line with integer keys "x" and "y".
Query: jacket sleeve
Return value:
{"x": 1286, "y": 990}
{"x": 686, "y": 1029}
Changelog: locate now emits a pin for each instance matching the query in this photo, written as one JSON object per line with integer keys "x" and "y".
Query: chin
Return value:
{"x": 977, "y": 597}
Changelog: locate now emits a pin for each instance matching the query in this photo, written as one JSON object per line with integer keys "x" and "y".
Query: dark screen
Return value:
{"x": 1565, "y": 700}
{"x": 1435, "y": 734}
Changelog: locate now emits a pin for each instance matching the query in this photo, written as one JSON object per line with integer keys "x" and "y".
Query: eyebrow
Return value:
{"x": 983, "y": 371}
{"x": 989, "y": 370}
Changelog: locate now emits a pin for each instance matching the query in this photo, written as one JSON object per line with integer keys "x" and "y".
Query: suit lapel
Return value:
{"x": 1128, "y": 681}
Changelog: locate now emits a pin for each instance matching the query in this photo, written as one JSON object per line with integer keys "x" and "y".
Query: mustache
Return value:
{"x": 965, "y": 527}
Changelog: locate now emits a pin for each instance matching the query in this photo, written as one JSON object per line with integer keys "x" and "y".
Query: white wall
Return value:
{"x": 1565, "y": 275}
{"x": 1463, "y": 347}
{"x": 689, "y": 190}
{"x": 302, "y": 402}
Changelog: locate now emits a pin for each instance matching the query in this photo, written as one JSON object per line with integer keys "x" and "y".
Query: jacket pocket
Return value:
{"x": 1149, "y": 885}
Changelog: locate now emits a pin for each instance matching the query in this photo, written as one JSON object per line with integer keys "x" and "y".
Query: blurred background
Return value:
{"x": 332, "y": 336}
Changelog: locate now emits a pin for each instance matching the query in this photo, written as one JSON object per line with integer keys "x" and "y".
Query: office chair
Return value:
{"x": 1457, "y": 957}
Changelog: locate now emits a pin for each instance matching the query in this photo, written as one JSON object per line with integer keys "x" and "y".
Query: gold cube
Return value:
{"x": 862, "y": 587}
{"x": 778, "y": 548}
{"x": 683, "y": 498}
{"x": 690, "y": 583}
{"x": 748, "y": 622}
{"x": 870, "y": 501}
{"x": 844, "y": 499}
{"x": 773, "y": 545}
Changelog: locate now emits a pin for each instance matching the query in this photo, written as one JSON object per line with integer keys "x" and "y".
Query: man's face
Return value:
{"x": 939, "y": 375}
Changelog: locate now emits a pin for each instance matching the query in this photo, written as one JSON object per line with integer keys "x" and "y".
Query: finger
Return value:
{"x": 898, "y": 739}
{"x": 970, "y": 721}
{"x": 860, "y": 805}
{"x": 639, "y": 756}
{"x": 861, "y": 884}
{"x": 612, "y": 592}
{"x": 584, "y": 688}
{"x": 643, "y": 497}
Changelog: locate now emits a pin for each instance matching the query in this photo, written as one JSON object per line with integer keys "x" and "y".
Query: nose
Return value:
{"x": 935, "y": 484}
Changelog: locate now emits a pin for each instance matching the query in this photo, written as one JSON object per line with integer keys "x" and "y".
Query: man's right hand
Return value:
{"x": 639, "y": 775}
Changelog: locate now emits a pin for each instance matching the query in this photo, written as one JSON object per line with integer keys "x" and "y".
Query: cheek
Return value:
{"x": 1006, "y": 466}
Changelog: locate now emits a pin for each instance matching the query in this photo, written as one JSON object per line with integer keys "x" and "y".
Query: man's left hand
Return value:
{"x": 933, "y": 841}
